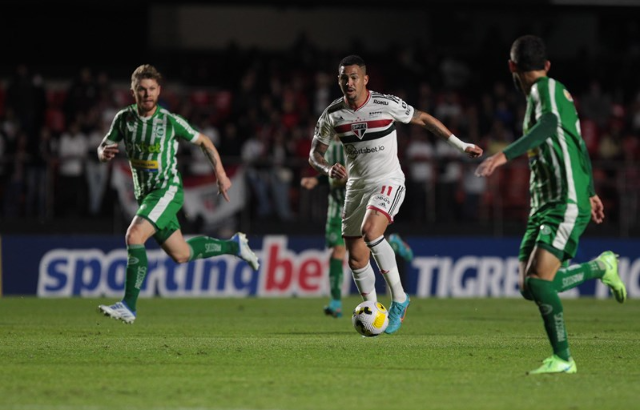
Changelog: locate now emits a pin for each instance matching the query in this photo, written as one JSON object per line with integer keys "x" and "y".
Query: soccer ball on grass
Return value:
{"x": 370, "y": 318}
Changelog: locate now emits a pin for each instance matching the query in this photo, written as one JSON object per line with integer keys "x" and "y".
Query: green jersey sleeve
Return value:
{"x": 183, "y": 129}
{"x": 545, "y": 126}
{"x": 116, "y": 133}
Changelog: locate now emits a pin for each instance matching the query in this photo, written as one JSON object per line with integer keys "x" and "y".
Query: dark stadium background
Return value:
{"x": 588, "y": 41}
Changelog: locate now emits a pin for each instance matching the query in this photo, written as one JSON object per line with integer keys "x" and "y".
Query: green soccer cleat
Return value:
{"x": 397, "y": 311}
{"x": 555, "y": 364}
{"x": 334, "y": 308}
{"x": 400, "y": 247}
{"x": 611, "y": 277}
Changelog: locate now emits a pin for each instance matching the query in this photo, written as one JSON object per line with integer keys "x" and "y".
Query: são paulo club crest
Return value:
{"x": 359, "y": 129}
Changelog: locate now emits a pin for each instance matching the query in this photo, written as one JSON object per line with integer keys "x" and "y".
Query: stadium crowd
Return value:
{"x": 260, "y": 109}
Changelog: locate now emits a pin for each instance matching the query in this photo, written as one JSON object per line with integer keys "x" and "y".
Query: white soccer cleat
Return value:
{"x": 118, "y": 311}
{"x": 244, "y": 251}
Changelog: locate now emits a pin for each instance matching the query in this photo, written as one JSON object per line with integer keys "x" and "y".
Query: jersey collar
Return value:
{"x": 361, "y": 105}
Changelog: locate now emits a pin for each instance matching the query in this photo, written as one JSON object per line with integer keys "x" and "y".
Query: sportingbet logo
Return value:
{"x": 94, "y": 273}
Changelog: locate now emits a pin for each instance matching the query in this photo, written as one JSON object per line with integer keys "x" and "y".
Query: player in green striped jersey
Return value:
{"x": 562, "y": 198}
{"x": 333, "y": 228}
{"x": 150, "y": 134}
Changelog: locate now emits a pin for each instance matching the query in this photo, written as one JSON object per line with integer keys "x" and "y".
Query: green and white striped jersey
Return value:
{"x": 560, "y": 166}
{"x": 151, "y": 145}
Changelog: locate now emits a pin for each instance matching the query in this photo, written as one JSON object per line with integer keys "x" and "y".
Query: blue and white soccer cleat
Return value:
{"x": 120, "y": 311}
{"x": 244, "y": 251}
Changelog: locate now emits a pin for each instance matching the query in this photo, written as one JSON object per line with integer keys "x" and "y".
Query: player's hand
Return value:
{"x": 224, "y": 183}
{"x": 338, "y": 171}
{"x": 108, "y": 152}
{"x": 597, "y": 209}
{"x": 309, "y": 182}
{"x": 490, "y": 164}
{"x": 473, "y": 151}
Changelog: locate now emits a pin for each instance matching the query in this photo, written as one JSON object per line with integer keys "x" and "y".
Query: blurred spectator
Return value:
{"x": 26, "y": 98}
{"x": 281, "y": 175}
{"x": 448, "y": 181}
{"x": 254, "y": 157}
{"x": 596, "y": 104}
{"x": 72, "y": 154}
{"x": 499, "y": 137}
{"x": 16, "y": 186}
{"x": 420, "y": 156}
{"x": 97, "y": 173}
{"x": 40, "y": 176}
{"x": 82, "y": 94}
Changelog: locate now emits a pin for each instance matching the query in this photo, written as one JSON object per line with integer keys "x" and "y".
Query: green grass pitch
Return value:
{"x": 284, "y": 354}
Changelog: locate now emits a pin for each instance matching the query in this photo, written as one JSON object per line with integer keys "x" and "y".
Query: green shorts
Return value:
{"x": 556, "y": 229}
{"x": 160, "y": 207}
{"x": 333, "y": 232}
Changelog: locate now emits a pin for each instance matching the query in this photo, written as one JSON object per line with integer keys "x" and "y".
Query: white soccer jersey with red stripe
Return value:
{"x": 368, "y": 135}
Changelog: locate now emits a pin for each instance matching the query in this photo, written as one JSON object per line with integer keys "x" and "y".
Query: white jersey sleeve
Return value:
{"x": 397, "y": 107}
{"x": 324, "y": 131}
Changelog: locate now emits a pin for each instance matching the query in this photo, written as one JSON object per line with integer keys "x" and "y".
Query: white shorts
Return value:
{"x": 384, "y": 196}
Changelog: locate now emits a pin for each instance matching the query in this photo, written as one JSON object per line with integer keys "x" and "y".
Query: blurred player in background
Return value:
{"x": 150, "y": 134}
{"x": 333, "y": 228}
{"x": 562, "y": 198}
{"x": 364, "y": 120}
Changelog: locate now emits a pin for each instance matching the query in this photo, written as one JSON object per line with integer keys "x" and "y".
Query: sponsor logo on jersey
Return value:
{"x": 144, "y": 165}
{"x": 380, "y": 102}
{"x": 148, "y": 148}
{"x": 351, "y": 151}
{"x": 374, "y": 113}
{"x": 359, "y": 129}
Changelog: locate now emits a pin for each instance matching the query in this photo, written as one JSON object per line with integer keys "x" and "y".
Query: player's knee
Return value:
{"x": 133, "y": 237}
{"x": 180, "y": 257}
{"x": 526, "y": 294}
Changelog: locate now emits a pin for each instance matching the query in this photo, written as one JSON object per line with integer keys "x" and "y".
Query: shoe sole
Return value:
{"x": 107, "y": 314}
{"x": 332, "y": 313}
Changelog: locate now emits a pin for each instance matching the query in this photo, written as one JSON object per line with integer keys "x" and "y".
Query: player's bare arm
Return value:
{"x": 438, "y": 129}
{"x": 210, "y": 151}
{"x": 317, "y": 161}
{"x": 107, "y": 151}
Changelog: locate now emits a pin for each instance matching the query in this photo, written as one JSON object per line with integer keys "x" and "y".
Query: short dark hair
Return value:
{"x": 352, "y": 60}
{"x": 529, "y": 53}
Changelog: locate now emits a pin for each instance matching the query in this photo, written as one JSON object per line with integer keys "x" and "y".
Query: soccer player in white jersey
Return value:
{"x": 150, "y": 134}
{"x": 364, "y": 121}
{"x": 563, "y": 199}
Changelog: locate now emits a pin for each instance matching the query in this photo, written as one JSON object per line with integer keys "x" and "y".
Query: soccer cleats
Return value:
{"x": 119, "y": 311}
{"x": 397, "y": 311}
{"x": 555, "y": 364}
{"x": 244, "y": 251}
{"x": 334, "y": 308}
{"x": 400, "y": 247}
{"x": 611, "y": 277}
